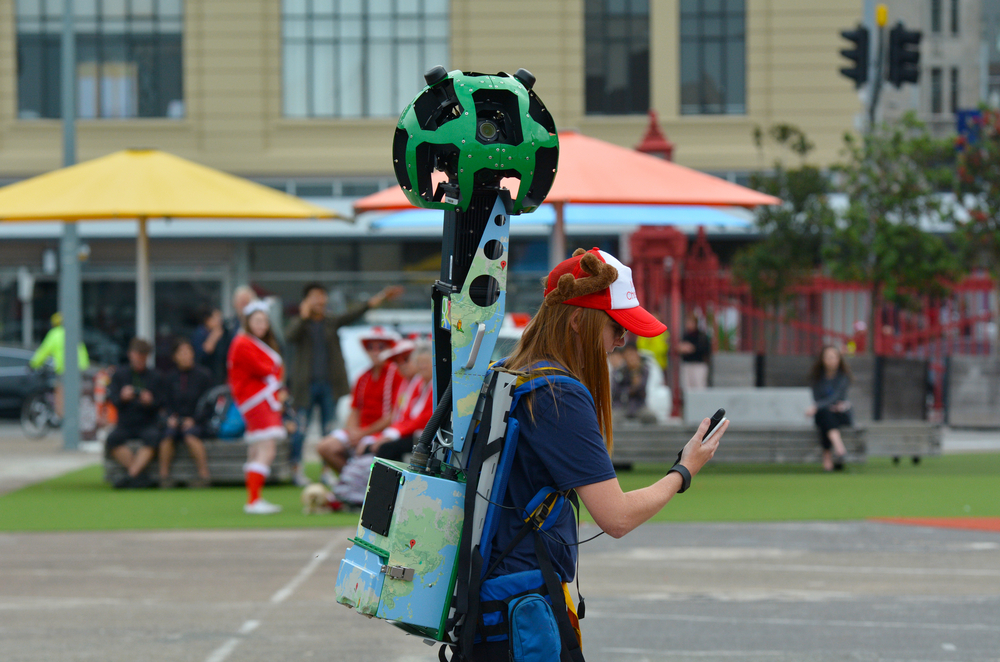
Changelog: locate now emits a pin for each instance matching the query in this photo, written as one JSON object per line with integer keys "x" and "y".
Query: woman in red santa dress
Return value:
{"x": 255, "y": 377}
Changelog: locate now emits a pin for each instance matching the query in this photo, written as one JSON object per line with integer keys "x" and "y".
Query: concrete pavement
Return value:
{"x": 779, "y": 592}
{"x": 25, "y": 461}
{"x": 771, "y": 592}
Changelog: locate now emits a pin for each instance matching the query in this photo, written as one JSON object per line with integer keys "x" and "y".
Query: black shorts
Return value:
{"x": 395, "y": 450}
{"x": 149, "y": 435}
{"x": 176, "y": 434}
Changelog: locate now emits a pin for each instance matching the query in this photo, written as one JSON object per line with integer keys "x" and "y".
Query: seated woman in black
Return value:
{"x": 184, "y": 388}
{"x": 565, "y": 435}
{"x": 830, "y": 378}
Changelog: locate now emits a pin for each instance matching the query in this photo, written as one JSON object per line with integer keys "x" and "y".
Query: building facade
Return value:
{"x": 953, "y": 73}
{"x": 303, "y": 95}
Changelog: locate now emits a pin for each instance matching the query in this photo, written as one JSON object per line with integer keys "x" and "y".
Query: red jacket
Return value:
{"x": 413, "y": 407}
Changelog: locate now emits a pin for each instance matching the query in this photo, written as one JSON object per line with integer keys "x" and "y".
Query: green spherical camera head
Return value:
{"x": 477, "y": 130}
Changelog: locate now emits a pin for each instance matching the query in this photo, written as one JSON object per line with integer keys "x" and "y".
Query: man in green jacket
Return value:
{"x": 54, "y": 345}
{"x": 318, "y": 376}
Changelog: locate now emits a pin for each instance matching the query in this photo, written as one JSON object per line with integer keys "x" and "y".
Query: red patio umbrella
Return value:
{"x": 596, "y": 172}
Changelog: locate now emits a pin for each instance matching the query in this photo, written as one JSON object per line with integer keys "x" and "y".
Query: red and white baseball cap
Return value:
{"x": 398, "y": 352}
{"x": 618, "y": 299}
{"x": 380, "y": 334}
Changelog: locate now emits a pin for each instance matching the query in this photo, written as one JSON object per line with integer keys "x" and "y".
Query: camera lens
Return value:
{"x": 487, "y": 130}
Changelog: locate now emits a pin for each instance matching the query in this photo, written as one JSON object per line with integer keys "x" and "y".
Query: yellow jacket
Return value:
{"x": 659, "y": 347}
{"x": 54, "y": 345}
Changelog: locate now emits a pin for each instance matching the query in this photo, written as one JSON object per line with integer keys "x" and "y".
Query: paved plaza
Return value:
{"x": 783, "y": 592}
{"x": 776, "y": 592}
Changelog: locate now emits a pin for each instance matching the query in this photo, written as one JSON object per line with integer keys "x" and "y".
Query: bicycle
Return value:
{"x": 38, "y": 413}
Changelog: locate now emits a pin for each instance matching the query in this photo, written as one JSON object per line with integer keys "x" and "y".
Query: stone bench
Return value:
{"x": 225, "y": 463}
{"x": 897, "y": 439}
{"x": 743, "y": 444}
{"x": 770, "y": 406}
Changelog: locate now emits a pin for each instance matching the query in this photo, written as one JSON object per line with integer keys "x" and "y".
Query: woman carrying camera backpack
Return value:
{"x": 565, "y": 436}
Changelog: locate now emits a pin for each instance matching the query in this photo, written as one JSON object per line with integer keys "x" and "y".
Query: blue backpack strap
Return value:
{"x": 544, "y": 373}
{"x": 468, "y": 598}
{"x": 541, "y": 509}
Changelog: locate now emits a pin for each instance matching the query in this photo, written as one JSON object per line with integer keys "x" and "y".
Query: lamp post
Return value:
{"x": 69, "y": 245}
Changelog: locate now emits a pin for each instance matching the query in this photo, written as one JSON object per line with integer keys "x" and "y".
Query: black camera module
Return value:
{"x": 487, "y": 131}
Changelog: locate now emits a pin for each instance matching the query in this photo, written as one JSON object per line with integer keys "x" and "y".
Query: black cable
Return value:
{"x": 546, "y": 533}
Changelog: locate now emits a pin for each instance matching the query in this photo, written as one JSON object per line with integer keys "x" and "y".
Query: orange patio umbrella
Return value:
{"x": 593, "y": 171}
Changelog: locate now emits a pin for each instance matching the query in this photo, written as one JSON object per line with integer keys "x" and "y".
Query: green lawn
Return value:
{"x": 950, "y": 486}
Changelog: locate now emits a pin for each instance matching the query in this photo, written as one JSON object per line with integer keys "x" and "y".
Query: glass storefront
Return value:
{"x": 185, "y": 283}
{"x": 108, "y": 309}
{"x": 178, "y": 305}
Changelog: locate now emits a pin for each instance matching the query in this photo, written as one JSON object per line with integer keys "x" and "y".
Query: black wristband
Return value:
{"x": 684, "y": 474}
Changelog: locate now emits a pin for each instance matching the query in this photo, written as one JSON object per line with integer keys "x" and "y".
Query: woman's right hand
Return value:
{"x": 696, "y": 454}
{"x": 810, "y": 411}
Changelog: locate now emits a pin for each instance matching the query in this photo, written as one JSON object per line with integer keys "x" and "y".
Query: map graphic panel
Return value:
{"x": 466, "y": 316}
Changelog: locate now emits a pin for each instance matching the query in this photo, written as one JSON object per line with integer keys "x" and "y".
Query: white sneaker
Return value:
{"x": 300, "y": 479}
{"x": 261, "y": 507}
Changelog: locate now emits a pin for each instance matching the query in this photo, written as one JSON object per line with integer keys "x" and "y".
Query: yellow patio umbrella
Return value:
{"x": 138, "y": 184}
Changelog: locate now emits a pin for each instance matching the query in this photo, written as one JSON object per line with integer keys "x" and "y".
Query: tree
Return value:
{"x": 977, "y": 187}
{"x": 790, "y": 250}
{"x": 892, "y": 178}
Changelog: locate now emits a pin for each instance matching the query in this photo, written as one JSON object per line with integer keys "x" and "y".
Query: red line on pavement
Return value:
{"x": 970, "y": 523}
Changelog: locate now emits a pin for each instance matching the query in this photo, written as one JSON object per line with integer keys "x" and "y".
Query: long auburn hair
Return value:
{"x": 269, "y": 338}
{"x": 550, "y": 337}
{"x": 819, "y": 370}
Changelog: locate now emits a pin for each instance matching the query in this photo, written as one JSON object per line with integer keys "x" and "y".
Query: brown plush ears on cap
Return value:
{"x": 601, "y": 276}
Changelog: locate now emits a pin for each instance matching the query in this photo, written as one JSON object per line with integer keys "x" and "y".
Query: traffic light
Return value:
{"x": 904, "y": 55}
{"x": 858, "y": 55}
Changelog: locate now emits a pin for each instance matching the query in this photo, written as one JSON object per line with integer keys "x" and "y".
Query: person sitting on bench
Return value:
{"x": 413, "y": 410}
{"x": 185, "y": 387}
{"x": 830, "y": 378}
{"x": 136, "y": 392}
{"x": 371, "y": 408}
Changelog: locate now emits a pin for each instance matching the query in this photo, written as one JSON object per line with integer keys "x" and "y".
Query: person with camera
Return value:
{"x": 136, "y": 391}
{"x": 566, "y": 436}
{"x": 318, "y": 376}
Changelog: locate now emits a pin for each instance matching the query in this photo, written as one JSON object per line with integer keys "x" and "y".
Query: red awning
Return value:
{"x": 596, "y": 172}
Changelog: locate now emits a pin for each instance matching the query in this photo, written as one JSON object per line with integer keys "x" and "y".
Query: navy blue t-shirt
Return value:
{"x": 562, "y": 448}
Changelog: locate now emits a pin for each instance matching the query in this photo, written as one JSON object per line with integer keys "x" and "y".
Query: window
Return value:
{"x": 936, "y": 91}
{"x": 616, "y": 35}
{"x": 128, "y": 55}
{"x": 954, "y": 17}
{"x": 713, "y": 57}
{"x": 954, "y": 90}
{"x": 359, "y": 58}
{"x": 936, "y": 16}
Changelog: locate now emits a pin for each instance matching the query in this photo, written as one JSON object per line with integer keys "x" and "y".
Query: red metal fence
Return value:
{"x": 677, "y": 280}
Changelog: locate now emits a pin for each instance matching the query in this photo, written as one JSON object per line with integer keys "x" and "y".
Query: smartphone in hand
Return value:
{"x": 718, "y": 418}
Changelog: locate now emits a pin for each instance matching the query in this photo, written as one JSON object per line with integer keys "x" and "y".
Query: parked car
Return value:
{"x": 17, "y": 379}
